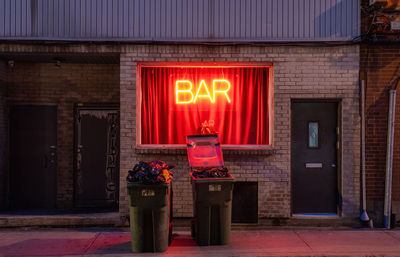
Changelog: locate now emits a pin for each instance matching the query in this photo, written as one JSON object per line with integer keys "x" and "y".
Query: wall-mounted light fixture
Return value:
{"x": 58, "y": 61}
{"x": 11, "y": 63}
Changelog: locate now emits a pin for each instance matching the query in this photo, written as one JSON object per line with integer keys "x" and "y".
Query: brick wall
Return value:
{"x": 379, "y": 67}
{"x": 65, "y": 86}
{"x": 299, "y": 72}
{"x": 3, "y": 132}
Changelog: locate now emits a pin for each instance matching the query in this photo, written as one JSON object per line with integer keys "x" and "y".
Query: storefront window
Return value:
{"x": 176, "y": 101}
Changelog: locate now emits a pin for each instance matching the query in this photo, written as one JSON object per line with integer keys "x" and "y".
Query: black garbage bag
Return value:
{"x": 207, "y": 172}
{"x": 154, "y": 172}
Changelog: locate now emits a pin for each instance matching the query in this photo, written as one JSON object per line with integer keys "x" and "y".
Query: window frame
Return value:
{"x": 308, "y": 135}
{"x": 270, "y": 66}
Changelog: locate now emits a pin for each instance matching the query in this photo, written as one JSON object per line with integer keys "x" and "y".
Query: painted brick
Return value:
{"x": 313, "y": 72}
{"x": 271, "y": 171}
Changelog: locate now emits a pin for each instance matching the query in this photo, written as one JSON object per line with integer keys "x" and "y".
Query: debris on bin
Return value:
{"x": 154, "y": 172}
{"x": 208, "y": 172}
{"x": 206, "y": 127}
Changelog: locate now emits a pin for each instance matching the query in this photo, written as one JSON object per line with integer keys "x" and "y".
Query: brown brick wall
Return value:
{"x": 299, "y": 72}
{"x": 379, "y": 67}
{"x": 65, "y": 86}
{"x": 3, "y": 136}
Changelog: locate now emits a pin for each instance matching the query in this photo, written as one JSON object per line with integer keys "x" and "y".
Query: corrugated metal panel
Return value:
{"x": 180, "y": 20}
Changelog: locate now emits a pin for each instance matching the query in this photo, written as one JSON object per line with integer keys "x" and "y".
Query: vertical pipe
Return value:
{"x": 389, "y": 159}
{"x": 364, "y": 214}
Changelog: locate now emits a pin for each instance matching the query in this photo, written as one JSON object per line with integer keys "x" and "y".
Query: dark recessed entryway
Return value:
{"x": 245, "y": 202}
{"x": 314, "y": 157}
{"x": 33, "y": 156}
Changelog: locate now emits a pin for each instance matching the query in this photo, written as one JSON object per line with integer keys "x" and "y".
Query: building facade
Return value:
{"x": 82, "y": 67}
{"x": 379, "y": 68}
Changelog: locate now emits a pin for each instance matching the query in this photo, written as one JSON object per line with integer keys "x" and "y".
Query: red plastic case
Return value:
{"x": 205, "y": 151}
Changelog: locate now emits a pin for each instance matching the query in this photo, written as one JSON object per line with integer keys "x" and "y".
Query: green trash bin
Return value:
{"x": 212, "y": 197}
{"x": 150, "y": 216}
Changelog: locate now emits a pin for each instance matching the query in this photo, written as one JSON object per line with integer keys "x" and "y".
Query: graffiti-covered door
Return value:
{"x": 96, "y": 157}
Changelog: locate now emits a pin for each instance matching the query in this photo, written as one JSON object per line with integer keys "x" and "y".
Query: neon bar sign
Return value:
{"x": 183, "y": 89}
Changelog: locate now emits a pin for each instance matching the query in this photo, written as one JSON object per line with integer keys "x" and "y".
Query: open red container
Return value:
{"x": 212, "y": 197}
{"x": 205, "y": 151}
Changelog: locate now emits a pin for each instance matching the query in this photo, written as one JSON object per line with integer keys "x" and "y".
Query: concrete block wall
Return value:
{"x": 300, "y": 72}
{"x": 3, "y": 136}
{"x": 65, "y": 85}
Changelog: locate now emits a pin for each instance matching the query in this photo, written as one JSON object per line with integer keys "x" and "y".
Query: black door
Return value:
{"x": 314, "y": 150}
{"x": 33, "y": 156}
{"x": 97, "y": 158}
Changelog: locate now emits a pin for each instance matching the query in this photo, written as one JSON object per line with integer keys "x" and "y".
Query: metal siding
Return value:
{"x": 2, "y": 17}
{"x": 24, "y": 16}
{"x": 130, "y": 20}
{"x": 174, "y": 19}
{"x": 327, "y": 17}
{"x": 354, "y": 24}
{"x": 269, "y": 19}
{"x": 237, "y": 26}
{"x": 264, "y": 14}
{"x": 348, "y": 17}
{"x": 307, "y": 19}
{"x": 285, "y": 19}
{"x": 274, "y": 19}
{"x": 253, "y": 22}
{"x": 93, "y": 22}
{"x": 200, "y": 22}
{"x": 180, "y": 20}
{"x": 301, "y": 19}
{"x": 312, "y": 18}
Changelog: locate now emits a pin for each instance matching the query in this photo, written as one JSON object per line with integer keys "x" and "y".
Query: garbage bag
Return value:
{"x": 207, "y": 172}
{"x": 154, "y": 172}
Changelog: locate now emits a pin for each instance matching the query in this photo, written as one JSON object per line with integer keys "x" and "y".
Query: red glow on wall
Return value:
{"x": 178, "y": 101}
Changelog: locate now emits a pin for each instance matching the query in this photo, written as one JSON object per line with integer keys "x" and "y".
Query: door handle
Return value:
{"x": 333, "y": 165}
{"x": 313, "y": 165}
{"x": 79, "y": 160}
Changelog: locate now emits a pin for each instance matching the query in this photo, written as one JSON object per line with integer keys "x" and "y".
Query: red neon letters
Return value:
{"x": 184, "y": 94}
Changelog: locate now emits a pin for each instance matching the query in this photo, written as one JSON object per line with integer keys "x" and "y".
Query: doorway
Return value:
{"x": 33, "y": 156}
{"x": 96, "y": 156}
{"x": 314, "y": 157}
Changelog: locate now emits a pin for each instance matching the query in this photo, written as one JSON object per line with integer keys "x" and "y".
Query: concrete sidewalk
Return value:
{"x": 266, "y": 242}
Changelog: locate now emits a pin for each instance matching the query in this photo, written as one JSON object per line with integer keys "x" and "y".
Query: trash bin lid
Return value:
{"x": 204, "y": 151}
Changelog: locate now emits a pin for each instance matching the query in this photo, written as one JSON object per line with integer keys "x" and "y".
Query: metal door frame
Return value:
{"x": 90, "y": 106}
{"x": 338, "y": 150}
{"x": 9, "y": 104}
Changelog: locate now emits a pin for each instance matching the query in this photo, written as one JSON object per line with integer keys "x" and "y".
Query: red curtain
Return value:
{"x": 242, "y": 121}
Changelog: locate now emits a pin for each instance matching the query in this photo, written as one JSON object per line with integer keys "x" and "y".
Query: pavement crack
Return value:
{"x": 91, "y": 243}
{"x": 304, "y": 241}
